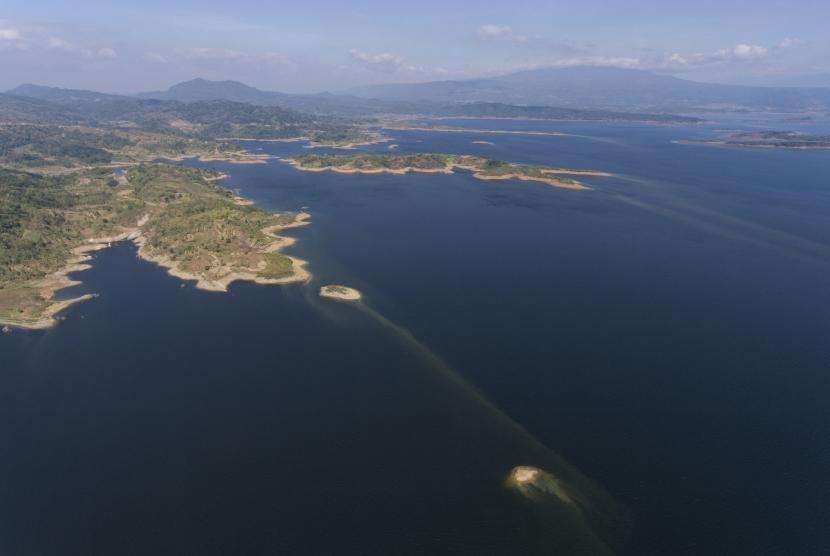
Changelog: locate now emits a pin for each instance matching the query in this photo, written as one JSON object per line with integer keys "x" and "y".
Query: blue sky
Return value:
{"x": 312, "y": 46}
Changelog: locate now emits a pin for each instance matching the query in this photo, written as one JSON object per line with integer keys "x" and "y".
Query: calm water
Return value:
{"x": 667, "y": 333}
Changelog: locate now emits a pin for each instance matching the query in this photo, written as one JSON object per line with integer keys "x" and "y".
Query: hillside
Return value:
{"x": 203, "y": 119}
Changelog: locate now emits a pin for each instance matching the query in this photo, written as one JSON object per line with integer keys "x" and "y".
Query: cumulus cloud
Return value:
{"x": 744, "y": 51}
{"x": 741, "y": 53}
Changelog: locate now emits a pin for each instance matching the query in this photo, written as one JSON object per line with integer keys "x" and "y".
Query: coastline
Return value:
{"x": 450, "y": 168}
{"x": 78, "y": 262}
{"x": 312, "y": 144}
{"x": 340, "y": 293}
{"x": 574, "y": 186}
{"x": 472, "y": 130}
{"x": 348, "y": 170}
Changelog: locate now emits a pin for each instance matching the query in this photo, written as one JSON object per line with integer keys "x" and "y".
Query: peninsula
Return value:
{"x": 482, "y": 168}
{"x": 179, "y": 218}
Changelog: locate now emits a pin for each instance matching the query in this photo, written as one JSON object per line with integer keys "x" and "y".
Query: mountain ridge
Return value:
{"x": 588, "y": 87}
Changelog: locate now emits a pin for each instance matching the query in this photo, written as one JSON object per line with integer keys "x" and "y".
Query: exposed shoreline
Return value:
{"x": 340, "y": 293}
{"x": 78, "y": 262}
{"x": 300, "y": 272}
{"x": 450, "y": 168}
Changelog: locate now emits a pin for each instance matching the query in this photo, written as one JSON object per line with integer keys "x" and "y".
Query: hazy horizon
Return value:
{"x": 328, "y": 47}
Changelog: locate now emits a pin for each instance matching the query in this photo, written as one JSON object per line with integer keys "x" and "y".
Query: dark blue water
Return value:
{"x": 667, "y": 332}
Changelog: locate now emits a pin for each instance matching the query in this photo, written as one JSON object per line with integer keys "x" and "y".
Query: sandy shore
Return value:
{"x": 341, "y": 293}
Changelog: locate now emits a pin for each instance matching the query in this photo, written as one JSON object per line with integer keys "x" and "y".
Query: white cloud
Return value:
{"x": 599, "y": 61}
{"x": 107, "y": 53}
{"x": 102, "y": 53}
{"x": 222, "y": 55}
{"x": 209, "y": 54}
{"x": 743, "y": 51}
{"x": 790, "y": 42}
{"x": 385, "y": 62}
{"x": 493, "y": 31}
{"x": 58, "y": 43}
{"x": 10, "y": 34}
{"x": 155, "y": 57}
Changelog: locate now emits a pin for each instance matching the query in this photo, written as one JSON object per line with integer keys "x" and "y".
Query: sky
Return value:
{"x": 309, "y": 46}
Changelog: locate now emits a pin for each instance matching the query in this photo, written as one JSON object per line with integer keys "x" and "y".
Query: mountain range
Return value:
{"x": 605, "y": 88}
{"x": 576, "y": 93}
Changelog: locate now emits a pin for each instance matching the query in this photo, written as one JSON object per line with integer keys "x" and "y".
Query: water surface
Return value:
{"x": 666, "y": 332}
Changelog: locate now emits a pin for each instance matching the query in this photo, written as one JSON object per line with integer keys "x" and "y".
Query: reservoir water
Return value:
{"x": 667, "y": 333}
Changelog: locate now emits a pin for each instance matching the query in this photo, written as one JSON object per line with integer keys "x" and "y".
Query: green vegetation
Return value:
{"x": 53, "y": 148}
{"x": 779, "y": 139}
{"x": 35, "y": 145}
{"x": 374, "y": 162}
{"x": 187, "y": 223}
{"x": 483, "y": 168}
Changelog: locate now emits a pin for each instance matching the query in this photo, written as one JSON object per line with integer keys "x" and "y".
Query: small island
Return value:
{"x": 536, "y": 483}
{"x": 482, "y": 168}
{"x": 773, "y": 139}
{"x": 341, "y": 293}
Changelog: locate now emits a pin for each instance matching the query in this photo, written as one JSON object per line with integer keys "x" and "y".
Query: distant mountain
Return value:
{"x": 810, "y": 80}
{"x": 354, "y": 106}
{"x": 501, "y": 110}
{"x": 61, "y": 96}
{"x": 239, "y": 102}
{"x": 603, "y": 88}
{"x": 21, "y": 109}
{"x": 207, "y": 118}
{"x": 199, "y": 89}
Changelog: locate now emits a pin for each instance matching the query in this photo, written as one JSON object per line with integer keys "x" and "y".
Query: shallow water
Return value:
{"x": 666, "y": 332}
